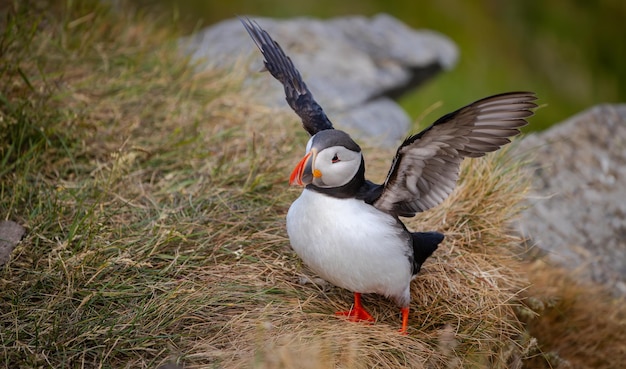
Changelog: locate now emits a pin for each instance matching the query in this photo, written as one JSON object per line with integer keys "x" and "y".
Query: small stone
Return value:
{"x": 11, "y": 234}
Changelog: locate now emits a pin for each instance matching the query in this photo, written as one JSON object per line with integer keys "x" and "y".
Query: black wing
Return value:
{"x": 426, "y": 166}
{"x": 281, "y": 67}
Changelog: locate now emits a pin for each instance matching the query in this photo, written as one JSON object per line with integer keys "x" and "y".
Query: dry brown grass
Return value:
{"x": 580, "y": 325}
{"x": 155, "y": 201}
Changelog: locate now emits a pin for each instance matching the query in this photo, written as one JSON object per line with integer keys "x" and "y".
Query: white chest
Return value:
{"x": 350, "y": 244}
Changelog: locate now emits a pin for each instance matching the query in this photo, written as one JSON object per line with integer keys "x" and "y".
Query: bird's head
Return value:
{"x": 332, "y": 160}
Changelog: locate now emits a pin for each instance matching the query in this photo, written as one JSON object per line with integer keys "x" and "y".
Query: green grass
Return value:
{"x": 154, "y": 200}
{"x": 106, "y": 160}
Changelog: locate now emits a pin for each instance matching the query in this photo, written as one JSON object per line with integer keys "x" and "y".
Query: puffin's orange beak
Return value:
{"x": 303, "y": 173}
{"x": 295, "y": 179}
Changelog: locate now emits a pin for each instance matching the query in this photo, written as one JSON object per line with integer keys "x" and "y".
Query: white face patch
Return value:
{"x": 337, "y": 165}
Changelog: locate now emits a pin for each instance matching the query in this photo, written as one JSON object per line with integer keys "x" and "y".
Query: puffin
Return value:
{"x": 346, "y": 228}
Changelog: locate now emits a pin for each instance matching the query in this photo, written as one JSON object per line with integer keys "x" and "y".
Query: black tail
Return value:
{"x": 424, "y": 244}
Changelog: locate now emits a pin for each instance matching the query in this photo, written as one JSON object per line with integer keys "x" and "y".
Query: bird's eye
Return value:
{"x": 335, "y": 159}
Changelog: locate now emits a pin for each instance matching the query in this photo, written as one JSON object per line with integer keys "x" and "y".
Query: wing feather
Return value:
{"x": 426, "y": 167}
{"x": 298, "y": 96}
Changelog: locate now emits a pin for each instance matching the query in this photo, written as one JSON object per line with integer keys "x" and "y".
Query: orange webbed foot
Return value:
{"x": 357, "y": 313}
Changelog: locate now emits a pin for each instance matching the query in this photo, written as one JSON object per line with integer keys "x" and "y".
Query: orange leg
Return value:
{"x": 357, "y": 313}
{"x": 405, "y": 319}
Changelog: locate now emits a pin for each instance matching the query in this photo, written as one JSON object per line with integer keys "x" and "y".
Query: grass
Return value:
{"x": 580, "y": 325}
{"x": 154, "y": 200}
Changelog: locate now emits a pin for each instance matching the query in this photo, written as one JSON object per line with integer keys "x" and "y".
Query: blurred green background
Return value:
{"x": 571, "y": 52}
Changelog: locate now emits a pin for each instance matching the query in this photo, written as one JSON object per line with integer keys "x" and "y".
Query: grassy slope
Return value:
{"x": 155, "y": 199}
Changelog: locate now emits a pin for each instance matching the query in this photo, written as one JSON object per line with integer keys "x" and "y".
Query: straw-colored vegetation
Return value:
{"x": 579, "y": 325}
{"x": 154, "y": 200}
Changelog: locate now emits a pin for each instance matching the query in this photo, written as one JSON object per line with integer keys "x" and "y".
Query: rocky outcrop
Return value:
{"x": 355, "y": 66}
{"x": 577, "y": 210}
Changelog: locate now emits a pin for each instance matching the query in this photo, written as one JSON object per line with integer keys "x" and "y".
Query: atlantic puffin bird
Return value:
{"x": 346, "y": 228}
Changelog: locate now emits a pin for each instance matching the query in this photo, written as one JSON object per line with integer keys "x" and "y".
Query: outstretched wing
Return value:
{"x": 281, "y": 67}
{"x": 426, "y": 166}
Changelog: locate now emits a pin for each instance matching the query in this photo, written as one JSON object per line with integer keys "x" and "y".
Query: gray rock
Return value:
{"x": 577, "y": 210}
{"x": 10, "y": 235}
{"x": 354, "y": 66}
